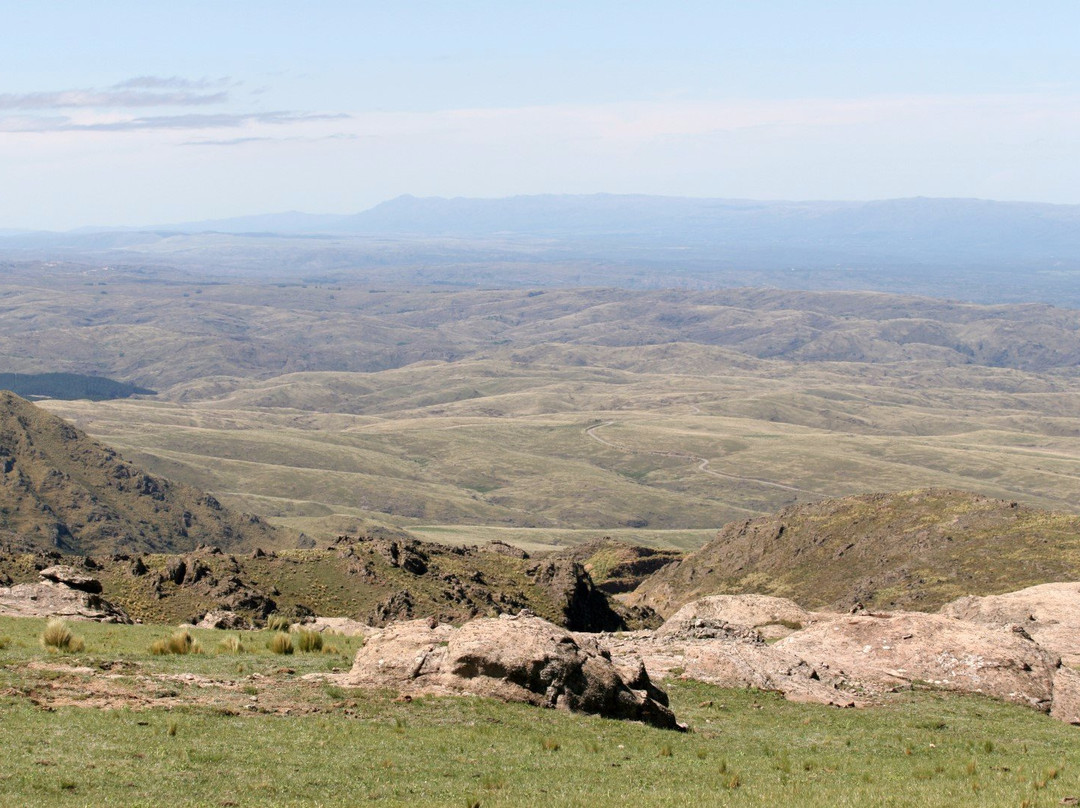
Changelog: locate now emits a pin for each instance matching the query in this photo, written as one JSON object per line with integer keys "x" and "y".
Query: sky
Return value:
{"x": 134, "y": 113}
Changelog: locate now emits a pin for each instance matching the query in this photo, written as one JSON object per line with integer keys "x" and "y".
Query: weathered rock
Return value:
{"x": 736, "y": 615}
{"x": 585, "y": 608}
{"x": 49, "y": 599}
{"x": 71, "y": 578}
{"x": 345, "y": 626}
{"x": 901, "y": 648}
{"x": 1049, "y": 613}
{"x": 175, "y": 570}
{"x": 224, "y": 620}
{"x": 1066, "y": 705}
{"x": 727, "y": 660}
{"x": 523, "y": 658}
{"x": 502, "y": 548}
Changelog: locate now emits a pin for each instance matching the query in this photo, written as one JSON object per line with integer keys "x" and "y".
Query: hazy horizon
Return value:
{"x": 129, "y": 114}
{"x": 93, "y": 226}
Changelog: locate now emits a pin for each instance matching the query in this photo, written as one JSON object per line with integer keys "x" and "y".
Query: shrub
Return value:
{"x": 58, "y": 636}
{"x": 281, "y": 644}
{"x": 309, "y": 641}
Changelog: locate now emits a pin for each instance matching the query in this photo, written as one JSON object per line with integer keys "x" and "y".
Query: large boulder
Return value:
{"x": 71, "y": 578}
{"x": 902, "y": 648}
{"x": 50, "y": 599}
{"x": 1050, "y": 613}
{"x": 728, "y": 615}
{"x": 523, "y": 659}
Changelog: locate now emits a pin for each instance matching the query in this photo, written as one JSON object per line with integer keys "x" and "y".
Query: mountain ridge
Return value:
{"x": 60, "y": 489}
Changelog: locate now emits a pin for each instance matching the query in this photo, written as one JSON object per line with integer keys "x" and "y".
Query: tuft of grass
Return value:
{"x": 281, "y": 643}
{"x": 550, "y": 745}
{"x": 231, "y": 645}
{"x": 172, "y": 729}
{"x": 58, "y": 637}
{"x": 665, "y": 750}
{"x": 278, "y": 622}
{"x": 309, "y": 641}
{"x": 4, "y": 642}
{"x": 179, "y": 642}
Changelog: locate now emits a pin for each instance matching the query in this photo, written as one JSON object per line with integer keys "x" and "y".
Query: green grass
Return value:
{"x": 341, "y": 746}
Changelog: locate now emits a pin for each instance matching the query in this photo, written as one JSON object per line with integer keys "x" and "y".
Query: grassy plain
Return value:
{"x": 117, "y": 725}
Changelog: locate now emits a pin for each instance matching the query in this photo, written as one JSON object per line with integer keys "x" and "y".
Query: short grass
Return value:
{"x": 340, "y": 746}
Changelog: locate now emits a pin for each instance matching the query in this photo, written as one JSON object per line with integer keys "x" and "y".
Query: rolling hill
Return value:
{"x": 910, "y": 550}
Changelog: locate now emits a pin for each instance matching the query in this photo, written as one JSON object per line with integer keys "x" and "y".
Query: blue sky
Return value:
{"x": 145, "y": 112}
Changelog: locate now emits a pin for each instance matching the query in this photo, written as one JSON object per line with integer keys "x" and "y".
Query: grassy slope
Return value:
{"x": 58, "y": 487}
{"x": 228, "y": 740}
{"x": 915, "y": 550}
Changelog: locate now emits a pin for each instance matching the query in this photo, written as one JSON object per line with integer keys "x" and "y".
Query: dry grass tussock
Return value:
{"x": 281, "y": 643}
{"x": 180, "y": 642}
{"x": 58, "y": 637}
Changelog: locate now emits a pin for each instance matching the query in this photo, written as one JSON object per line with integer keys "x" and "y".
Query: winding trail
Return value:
{"x": 702, "y": 462}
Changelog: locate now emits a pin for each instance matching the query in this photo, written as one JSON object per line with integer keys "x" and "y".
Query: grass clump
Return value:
{"x": 278, "y": 622}
{"x": 231, "y": 645}
{"x": 309, "y": 642}
{"x": 4, "y": 642}
{"x": 180, "y": 642}
{"x": 58, "y": 637}
{"x": 281, "y": 643}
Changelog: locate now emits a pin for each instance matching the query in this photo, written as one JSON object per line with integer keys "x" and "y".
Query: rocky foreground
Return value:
{"x": 846, "y": 660}
{"x": 1018, "y": 647}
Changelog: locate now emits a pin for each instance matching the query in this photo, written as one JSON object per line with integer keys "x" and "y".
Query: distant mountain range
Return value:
{"x": 930, "y": 246}
{"x": 924, "y": 229}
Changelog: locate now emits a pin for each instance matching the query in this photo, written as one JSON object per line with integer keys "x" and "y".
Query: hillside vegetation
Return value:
{"x": 912, "y": 550}
{"x": 374, "y": 580}
{"x": 61, "y": 489}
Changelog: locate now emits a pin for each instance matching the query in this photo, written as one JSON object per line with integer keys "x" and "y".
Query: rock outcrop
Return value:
{"x": 735, "y": 659}
{"x": 1050, "y": 613}
{"x": 71, "y": 578}
{"x": 876, "y": 652}
{"x": 63, "y": 592}
{"x": 522, "y": 658}
{"x": 733, "y": 614}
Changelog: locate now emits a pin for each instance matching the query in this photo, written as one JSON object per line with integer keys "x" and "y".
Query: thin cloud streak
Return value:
{"x": 97, "y": 99}
{"x": 240, "y": 141}
{"x": 171, "y": 83}
{"x": 193, "y": 121}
